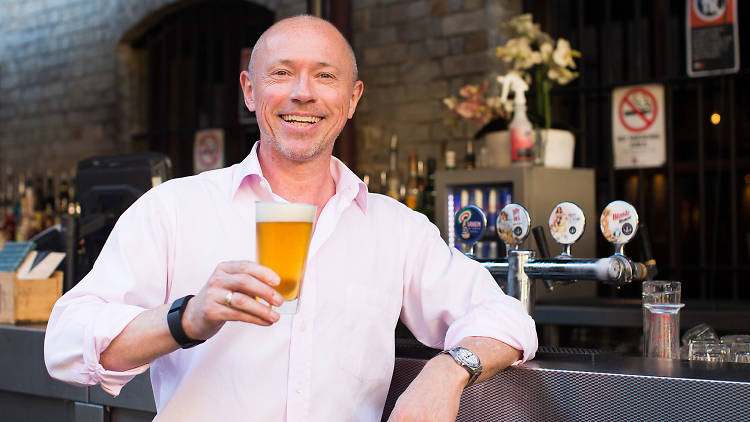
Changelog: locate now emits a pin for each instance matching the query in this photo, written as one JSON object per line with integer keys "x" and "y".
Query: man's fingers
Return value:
{"x": 254, "y": 269}
{"x": 248, "y": 285}
{"x": 245, "y": 308}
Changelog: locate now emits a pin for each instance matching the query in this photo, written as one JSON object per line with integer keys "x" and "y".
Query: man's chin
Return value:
{"x": 299, "y": 154}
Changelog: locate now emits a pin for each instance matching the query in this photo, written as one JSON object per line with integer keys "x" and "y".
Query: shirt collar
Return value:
{"x": 348, "y": 185}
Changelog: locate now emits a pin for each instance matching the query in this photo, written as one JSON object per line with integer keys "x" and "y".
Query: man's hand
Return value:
{"x": 434, "y": 395}
{"x": 207, "y": 312}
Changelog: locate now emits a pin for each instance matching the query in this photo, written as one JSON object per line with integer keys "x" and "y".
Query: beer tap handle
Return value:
{"x": 647, "y": 255}
{"x": 619, "y": 224}
{"x": 541, "y": 244}
{"x": 512, "y": 226}
{"x": 566, "y": 225}
{"x": 469, "y": 226}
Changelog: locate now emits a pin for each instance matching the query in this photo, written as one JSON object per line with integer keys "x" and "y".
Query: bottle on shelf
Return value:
{"x": 394, "y": 182}
{"x": 383, "y": 182}
{"x": 450, "y": 160}
{"x": 470, "y": 157}
{"x": 412, "y": 188}
{"x": 429, "y": 189}
{"x": 521, "y": 131}
{"x": 63, "y": 196}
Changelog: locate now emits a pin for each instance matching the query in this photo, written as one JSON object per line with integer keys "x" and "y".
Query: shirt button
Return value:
{"x": 299, "y": 390}
{"x": 303, "y": 327}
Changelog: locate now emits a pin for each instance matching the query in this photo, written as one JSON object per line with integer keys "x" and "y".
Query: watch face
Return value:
{"x": 468, "y": 357}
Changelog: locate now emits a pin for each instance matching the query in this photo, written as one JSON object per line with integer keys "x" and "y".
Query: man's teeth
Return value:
{"x": 300, "y": 120}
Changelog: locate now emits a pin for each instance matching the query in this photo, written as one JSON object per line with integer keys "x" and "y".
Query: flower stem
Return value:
{"x": 543, "y": 86}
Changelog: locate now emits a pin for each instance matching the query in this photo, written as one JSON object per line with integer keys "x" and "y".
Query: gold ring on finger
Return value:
{"x": 228, "y": 299}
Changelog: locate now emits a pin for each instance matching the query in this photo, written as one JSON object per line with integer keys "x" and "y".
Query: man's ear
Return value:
{"x": 247, "y": 90}
{"x": 359, "y": 88}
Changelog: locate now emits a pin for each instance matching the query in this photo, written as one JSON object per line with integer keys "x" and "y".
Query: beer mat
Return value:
{"x": 13, "y": 254}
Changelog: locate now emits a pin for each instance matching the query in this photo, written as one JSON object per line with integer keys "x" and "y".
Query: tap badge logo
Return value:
{"x": 463, "y": 218}
{"x": 470, "y": 223}
{"x": 619, "y": 222}
{"x": 567, "y": 223}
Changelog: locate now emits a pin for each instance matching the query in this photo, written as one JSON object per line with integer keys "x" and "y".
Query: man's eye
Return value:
{"x": 281, "y": 73}
{"x": 326, "y": 75}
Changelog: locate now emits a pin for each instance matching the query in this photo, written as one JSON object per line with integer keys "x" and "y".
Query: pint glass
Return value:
{"x": 283, "y": 233}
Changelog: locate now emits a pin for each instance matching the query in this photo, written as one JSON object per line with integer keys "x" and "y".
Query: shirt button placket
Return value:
{"x": 300, "y": 358}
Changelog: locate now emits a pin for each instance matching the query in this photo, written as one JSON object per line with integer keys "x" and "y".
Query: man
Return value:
{"x": 370, "y": 260}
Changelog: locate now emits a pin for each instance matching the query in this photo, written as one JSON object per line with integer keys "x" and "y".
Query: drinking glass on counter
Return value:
{"x": 283, "y": 232}
{"x": 739, "y": 348}
{"x": 708, "y": 351}
{"x": 661, "y": 319}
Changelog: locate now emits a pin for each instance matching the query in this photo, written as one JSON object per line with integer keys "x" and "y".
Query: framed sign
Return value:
{"x": 208, "y": 150}
{"x": 638, "y": 131}
{"x": 712, "y": 37}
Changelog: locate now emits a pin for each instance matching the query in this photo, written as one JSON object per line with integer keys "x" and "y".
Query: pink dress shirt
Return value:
{"x": 371, "y": 260}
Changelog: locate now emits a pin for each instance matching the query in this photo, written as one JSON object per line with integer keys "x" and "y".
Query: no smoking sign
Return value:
{"x": 638, "y": 110}
{"x": 638, "y": 139}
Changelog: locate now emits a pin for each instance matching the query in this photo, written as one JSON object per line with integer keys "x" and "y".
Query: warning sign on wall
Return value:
{"x": 712, "y": 37}
{"x": 208, "y": 150}
{"x": 638, "y": 135}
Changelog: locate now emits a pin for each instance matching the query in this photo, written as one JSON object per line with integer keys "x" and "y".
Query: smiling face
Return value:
{"x": 302, "y": 88}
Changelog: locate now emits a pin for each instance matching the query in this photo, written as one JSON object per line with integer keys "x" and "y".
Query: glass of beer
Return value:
{"x": 283, "y": 232}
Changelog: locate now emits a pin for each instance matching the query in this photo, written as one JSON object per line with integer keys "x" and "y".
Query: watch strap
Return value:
{"x": 174, "y": 321}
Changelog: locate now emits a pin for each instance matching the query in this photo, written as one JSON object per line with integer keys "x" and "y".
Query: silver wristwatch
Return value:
{"x": 468, "y": 360}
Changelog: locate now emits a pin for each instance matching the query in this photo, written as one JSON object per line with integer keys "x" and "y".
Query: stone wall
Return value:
{"x": 69, "y": 88}
{"x": 411, "y": 55}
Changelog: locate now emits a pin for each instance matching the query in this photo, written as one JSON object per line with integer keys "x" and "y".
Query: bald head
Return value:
{"x": 296, "y": 25}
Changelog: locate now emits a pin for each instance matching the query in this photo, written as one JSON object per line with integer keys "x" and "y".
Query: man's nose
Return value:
{"x": 303, "y": 89}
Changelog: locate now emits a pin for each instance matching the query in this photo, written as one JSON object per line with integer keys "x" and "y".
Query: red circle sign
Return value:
{"x": 208, "y": 150}
{"x": 637, "y": 110}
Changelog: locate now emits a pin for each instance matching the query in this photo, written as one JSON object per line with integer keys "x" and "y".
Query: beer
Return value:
{"x": 283, "y": 236}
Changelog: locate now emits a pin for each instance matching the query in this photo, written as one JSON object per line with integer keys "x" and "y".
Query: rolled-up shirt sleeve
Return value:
{"x": 130, "y": 275}
{"x": 448, "y": 297}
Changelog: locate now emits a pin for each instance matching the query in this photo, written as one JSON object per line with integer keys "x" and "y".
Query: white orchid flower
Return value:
{"x": 546, "y": 50}
{"x": 561, "y": 75}
{"x": 563, "y": 55}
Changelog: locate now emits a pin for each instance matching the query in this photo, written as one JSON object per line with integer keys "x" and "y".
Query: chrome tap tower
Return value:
{"x": 618, "y": 224}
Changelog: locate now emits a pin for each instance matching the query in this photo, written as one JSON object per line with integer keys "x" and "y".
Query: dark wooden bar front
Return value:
{"x": 550, "y": 389}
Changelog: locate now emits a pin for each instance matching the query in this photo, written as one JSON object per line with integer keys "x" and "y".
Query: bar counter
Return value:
{"x": 552, "y": 388}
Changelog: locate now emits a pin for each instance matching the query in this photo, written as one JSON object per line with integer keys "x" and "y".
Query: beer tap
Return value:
{"x": 618, "y": 224}
{"x": 567, "y": 224}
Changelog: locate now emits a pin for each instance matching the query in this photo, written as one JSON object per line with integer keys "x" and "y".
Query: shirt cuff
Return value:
{"x": 512, "y": 326}
{"x": 108, "y": 324}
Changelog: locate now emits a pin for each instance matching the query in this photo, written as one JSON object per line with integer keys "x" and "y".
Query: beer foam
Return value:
{"x": 267, "y": 212}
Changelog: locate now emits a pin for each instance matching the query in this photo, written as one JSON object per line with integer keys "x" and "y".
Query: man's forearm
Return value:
{"x": 143, "y": 340}
{"x": 436, "y": 392}
{"x": 493, "y": 354}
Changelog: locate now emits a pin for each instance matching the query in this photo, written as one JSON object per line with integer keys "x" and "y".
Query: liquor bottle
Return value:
{"x": 421, "y": 185}
{"x": 63, "y": 198}
{"x": 470, "y": 158}
{"x": 429, "y": 190}
{"x": 412, "y": 189}
{"x": 383, "y": 182}
{"x": 394, "y": 182}
{"x": 450, "y": 160}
